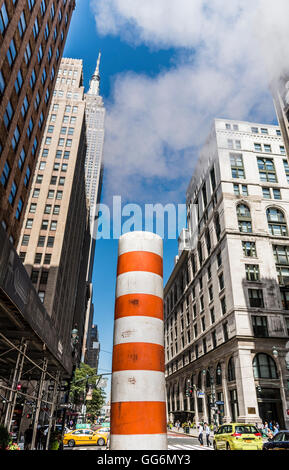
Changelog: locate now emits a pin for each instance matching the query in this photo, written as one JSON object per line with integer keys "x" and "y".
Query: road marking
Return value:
{"x": 187, "y": 447}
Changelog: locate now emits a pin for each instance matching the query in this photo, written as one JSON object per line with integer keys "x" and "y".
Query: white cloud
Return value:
{"x": 233, "y": 48}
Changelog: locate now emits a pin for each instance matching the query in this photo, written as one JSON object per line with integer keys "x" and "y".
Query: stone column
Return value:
{"x": 205, "y": 414}
{"x": 227, "y": 417}
{"x": 245, "y": 385}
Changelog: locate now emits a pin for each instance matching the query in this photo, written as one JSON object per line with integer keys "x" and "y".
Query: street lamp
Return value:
{"x": 275, "y": 352}
{"x": 74, "y": 339}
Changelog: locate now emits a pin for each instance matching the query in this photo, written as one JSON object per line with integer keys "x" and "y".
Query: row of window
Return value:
{"x": 254, "y": 130}
{"x": 266, "y": 168}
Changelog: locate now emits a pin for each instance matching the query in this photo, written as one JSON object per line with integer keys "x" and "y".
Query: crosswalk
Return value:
{"x": 188, "y": 447}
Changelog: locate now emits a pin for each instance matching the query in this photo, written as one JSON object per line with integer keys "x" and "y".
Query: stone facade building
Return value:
{"x": 32, "y": 39}
{"x": 226, "y": 302}
{"x": 55, "y": 238}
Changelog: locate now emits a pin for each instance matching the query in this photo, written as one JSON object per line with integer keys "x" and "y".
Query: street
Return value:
{"x": 175, "y": 442}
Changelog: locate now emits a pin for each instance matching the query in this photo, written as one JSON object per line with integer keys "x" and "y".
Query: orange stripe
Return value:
{"x": 138, "y": 356}
{"x": 138, "y": 418}
{"x": 139, "y": 305}
{"x": 140, "y": 261}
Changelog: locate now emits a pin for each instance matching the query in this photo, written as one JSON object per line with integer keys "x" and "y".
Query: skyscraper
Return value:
{"x": 280, "y": 90}
{"x": 227, "y": 299}
{"x": 33, "y": 35}
{"x": 95, "y": 114}
{"x": 55, "y": 239}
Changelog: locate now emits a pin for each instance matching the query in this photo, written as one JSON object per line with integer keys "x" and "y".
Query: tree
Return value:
{"x": 85, "y": 379}
{"x": 94, "y": 405}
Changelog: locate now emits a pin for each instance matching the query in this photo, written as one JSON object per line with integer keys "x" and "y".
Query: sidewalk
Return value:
{"x": 180, "y": 432}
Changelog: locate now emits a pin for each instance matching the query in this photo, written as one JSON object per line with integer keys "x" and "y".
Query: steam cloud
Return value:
{"x": 225, "y": 55}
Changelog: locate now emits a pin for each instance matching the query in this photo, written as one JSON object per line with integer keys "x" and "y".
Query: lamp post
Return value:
{"x": 213, "y": 394}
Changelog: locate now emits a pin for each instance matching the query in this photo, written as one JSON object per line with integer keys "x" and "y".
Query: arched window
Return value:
{"x": 231, "y": 370}
{"x": 219, "y": 375}
{"x": 244, "y": 218}
{"x": 264, "y": 367}
{"x": 276, "y": 222}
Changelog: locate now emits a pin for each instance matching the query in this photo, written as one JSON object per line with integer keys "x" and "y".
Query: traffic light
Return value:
{"x": 189, "y": 392}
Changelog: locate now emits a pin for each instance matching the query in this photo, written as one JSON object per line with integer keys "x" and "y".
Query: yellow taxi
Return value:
{"x": 238, "y": 436}
{"x": 84, "y": 437}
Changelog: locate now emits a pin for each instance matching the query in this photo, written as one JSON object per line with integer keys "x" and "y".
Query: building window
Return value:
{"x": 244, "y": 218}
{"x": 29, "y": 223}
{"x": 47, "y": 258}
{"x": 223, "y": 305}
{"x": 212, "y": 314}
{"x": 41, "y": 240}
{"x": 260, "y": 327}
{"x": 286, "y": 168}
{"x": 276, "y": 222}
{"x": 12, "y": 194}
{"x": 44, "y": 277}
{"x": 4, "y": 19}
{"x": 34, "y": 276}
{"x": 38, "y": 258}
{"x": 44, "y": 225}
{"x": 32, "y": 208}
{"x": 22, "y": 256}
{"x": 19, "y": 209}
{"x": 11, "y": 53}
{"x": 5, "y": 174}
{"x": 47, "y": 209}
{"x": 225, "y": 331}
{"x": 231, "y": 370}
{"x": 237, "y": 165}
{"x": 50, "y": 242}
{"x": 252, "y": 272}
{"x": 25, "y": 240}
{"x": 281, "y": 254}
{"x": 221, "y": 282}
{"x": 283, "y": 275}
{"x": 267, "y": 170}
{"x": 264, "y": 367}
{"x": 249, "y": 249}
{"x": 256, "y": 298}
{"x": 53, "y": 225}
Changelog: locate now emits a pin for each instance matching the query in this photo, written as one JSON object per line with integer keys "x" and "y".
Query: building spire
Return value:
{"x": 94, "y": 82}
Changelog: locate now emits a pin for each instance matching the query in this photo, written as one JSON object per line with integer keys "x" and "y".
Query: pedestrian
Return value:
{"x": 39, "y": 435}
{"x": 208, "y": 433}
{"x": 275, "y": 430}
{"x": 28, "y": 437}
{"x": 200, "y": 436}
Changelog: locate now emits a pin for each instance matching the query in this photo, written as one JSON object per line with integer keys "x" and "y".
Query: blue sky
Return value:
{"x": 167, "y": 70}
{"x": 117, "y": 57}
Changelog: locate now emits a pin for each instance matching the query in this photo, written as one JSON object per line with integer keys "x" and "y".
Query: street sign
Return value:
{"x": 200, "y": 394}
{"x": 219, "y": 403}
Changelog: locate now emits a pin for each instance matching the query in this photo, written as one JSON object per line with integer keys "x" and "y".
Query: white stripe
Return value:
{"x": 138, "y": 442}
{"x": 140, "y": 241}
{"x": 139, "y": 282}
{"x": 138, "y": 385}
{"x": 138, "y": 329}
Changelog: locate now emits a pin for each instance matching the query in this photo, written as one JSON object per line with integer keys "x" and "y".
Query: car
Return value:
{"x": 81, "y": 437}
{"x": 279, "y": 442}
{"x": 103, "y": 430}
{"x": 238, "y": 436}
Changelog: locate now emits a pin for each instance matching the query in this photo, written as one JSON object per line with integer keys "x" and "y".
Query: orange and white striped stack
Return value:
{"x": 138, "y": 398}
